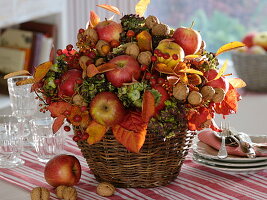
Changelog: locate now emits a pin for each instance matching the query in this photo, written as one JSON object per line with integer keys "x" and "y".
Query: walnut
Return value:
{"x": 40, "y": 193}
{"x": 102, "y": 47}
{"x": 180, "y": 91}
{"x": 161, "y": 29}
{"x": 219, "y": 95}
{"x": 151, "y": 21}
{"x": 69, "y": 193}
{"x": 79, "y": 100}
{"x": 207, "y": 92}
{"x": 59, "y": 191}
{"x": 99, "y": 61}
{"x": 132, "y": 49}
{"x": 91, "y": 35}
{"x": 105, "y": 189}
{"x": 144, "y": 58}
{"x": 194, "y": 98}
{"x": 194, "y": 79}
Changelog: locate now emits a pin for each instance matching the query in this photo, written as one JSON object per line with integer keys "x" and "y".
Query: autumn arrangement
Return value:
{"x": 134, "y": 92}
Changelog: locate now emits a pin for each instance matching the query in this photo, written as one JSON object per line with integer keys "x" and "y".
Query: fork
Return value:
{"x": 225, "y": 133}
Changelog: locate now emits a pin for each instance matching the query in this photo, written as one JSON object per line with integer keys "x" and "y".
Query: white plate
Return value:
{"x": 208, "y": 152}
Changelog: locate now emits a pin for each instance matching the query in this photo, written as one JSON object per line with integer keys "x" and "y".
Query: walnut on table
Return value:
{"x": 40, "y": 193}
{"x": 105, "y": 189}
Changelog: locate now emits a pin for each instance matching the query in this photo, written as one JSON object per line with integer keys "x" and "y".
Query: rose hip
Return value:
{"x": 66, "y": 128}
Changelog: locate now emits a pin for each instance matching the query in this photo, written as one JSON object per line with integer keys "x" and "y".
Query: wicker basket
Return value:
{"x": 158, "y": 163}
{"x": 252, "y": 68}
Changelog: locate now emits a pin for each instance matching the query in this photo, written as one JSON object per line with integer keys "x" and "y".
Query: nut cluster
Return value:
{"x": 66, "y": 193}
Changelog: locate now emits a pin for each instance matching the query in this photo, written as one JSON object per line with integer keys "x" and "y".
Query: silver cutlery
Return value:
{"x": 225, "y": 133}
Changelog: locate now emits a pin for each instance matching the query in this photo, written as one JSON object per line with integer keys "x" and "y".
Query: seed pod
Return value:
{"x": 91, "y": 35}
{"x": 219, "y": 95}
{"x": 40, "y": 193}
{"x": 99, "y": 45}
{"x": 144, "y": 58}
{"x": 132, "y": 49}
{"x": 151, "y": 21}
{"x": 105, "y": 189}
{"x": 194, "y": 98}
{"x": 59, "y": 191}
{"x": 207, "y": 92}
{"x": 69, "y": 193}
{"x": 180, "y": 91}
{"x": 161, "y": 29}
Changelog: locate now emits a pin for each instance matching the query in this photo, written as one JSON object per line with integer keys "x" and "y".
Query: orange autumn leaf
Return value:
{"x": 237, "y": 82}
{"x": 76, "y": 111}
{"x": 25, "y": 81}
{"x": 144, "y": 41}
{"x": 173, "y": 79}
{"x": 148, "y": 106}
{"x": 229, "y": 46}
{"x": 163, "y": 68}
{"x": 58, "y": 108}
{"x": 17, "y": 73}
{"x": 94, "y": 19}
{"x": 59, "y": 121}
{"x": 96, "y": 132}
{"x": 196, "y": 118}
{"x": 133, "y": 122}
{"x": 41, "y": 71}
{"x": 106, "y": 67}
{"x": 141, "y": 6}
{"x": 110, "y": 8}
{"x": 91, "y": 70}
{"x": 133, "y": 141}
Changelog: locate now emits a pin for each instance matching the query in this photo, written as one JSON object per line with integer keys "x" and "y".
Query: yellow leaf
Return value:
{"x": 237, "y": 82}
{"x": 96, "y": 132}
{"x": 222, "y": 70}
{"x": 94, "y": 19}
{"x": 228, "y": 47}
{"x": 17, "y": 73}
{"x": 110, "y": 8}
{"x": 144, "y": 41}
{"x": 183, "y": 78}
{"x": 141, "y": 7}
{"x": 191, "y": 71}
{"x": 163, "y": 68}
{"x": 25, "y": 81}
{"x": 189, "y": 57}
{"x": 41, "y": 71}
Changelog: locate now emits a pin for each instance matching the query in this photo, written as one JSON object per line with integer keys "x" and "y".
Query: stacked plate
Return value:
{"x": 205, "y": 155}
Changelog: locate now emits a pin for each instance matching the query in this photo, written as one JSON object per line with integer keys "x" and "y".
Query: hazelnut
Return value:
{"x": 101, "y": 47}
{"x": 151, "y": 21}
{"x": 105, "y": 189}
{"x": 219, "y": 95}
{"x": 144, "y": 58}
{"x": 59, "y": 191}
{"x": 161, "y": 29}
{"x": 207, "y": 92}
{"x": 132, "y": 49}
{"x": 40, "y": 193}
{"x": 91, "y": 35}
{"x": 180, "y": 91}
{"x": 194, "y": 98}
{"x": 79, "y": 100}
{"x": 69, "y": 193}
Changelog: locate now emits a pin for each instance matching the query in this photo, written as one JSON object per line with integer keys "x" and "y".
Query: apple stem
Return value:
{"x": 192, "y": 25}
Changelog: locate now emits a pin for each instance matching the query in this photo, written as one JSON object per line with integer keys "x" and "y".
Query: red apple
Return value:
{"x": 107, "y": 109}
{"x": 218, "y": 83}
{"x": 248, "y": 39}
{"x": 128, "y": 69}
{"x": 189, "y": 39}
{"x": 163, "y": 98}
{"x": 68, "y": 82}
{"x": 108, "y": 30}
{"x": 260, "y": 39}
{"x": 62, "y": 170}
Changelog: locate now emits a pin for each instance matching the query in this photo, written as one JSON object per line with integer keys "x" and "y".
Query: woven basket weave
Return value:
{"x": 252, "y": 68}
{"x": 158, "y": 163}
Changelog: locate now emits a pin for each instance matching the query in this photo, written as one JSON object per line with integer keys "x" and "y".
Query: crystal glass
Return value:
{"x": 46, "y": 143}
{"x": 11, "y": 141}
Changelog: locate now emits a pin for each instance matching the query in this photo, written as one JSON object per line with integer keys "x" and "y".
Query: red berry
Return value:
{"x": 143, "y": 68}
{"x": 153, "y": 58}
{"x": 114, "y": 43}
{"x": 160, "y": 54}
{"x": 85, "y": 136}
{"x": 130, "y": 33}
{"x": 157, "y": 51}
{"x": 92, "y": 54}
{"x": 166, "y": 56}
{"x": 59, "y": 52}
{"x": 153, "y": 82}
{"x": 77, "y": 118}
{"x": 83, "y": 108}
{"x": 81, "y": 30}
{"x": 76, "y": 138}
{"x": 66, "y": 112}
{"x": 160, "y": 81}
{"x": 175, "y": 57}
{"x": 66, "y": 128}
{"x": 79, "y": 133}
{"x": 148, "y": 76}
{"x": 69, "y": 47}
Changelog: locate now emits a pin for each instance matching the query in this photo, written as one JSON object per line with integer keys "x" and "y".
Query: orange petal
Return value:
{"x": 94, "y": 19}
{"x": 91, "y": 70}
{"x": 96, "y": 132}
{"x": 144, "y": 41}
{"x": 148, "y": 106}
{"x": 228, "y": 47}
{"x": 17, "y": 73}
{"x": 110, "y": 8}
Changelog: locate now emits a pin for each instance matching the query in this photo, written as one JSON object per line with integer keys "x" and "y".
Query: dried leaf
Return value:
{"x": 192, "y": 56}
{"x": 96, "y": 132}
{"x": 173, "y": 79}
{"x": 228, "y": 47}
{"x": 106, "y": 67}
{"x": 191, "y": 71}
{"x": 58, "y": 108}
{"x": 183, "y": 78}
{"x": 141, "y": 7}
{"x": 110, "y": 8}
{"x": 237, "y": 82}
{"x": 25, "y": 82}
{"x": 91, "y": 70}
{"x": 163, "y": 68}
{"x": 197, "y": 118}
{"x": 17, "y": 73}
{"x": 41, "y": 71}
{"x": 94, "y": 19}
{"x": 148, "y": 106}
{"x": 222, "y": 70}
{"x": 144, "y": 41}
{"x": 59, "y": 121}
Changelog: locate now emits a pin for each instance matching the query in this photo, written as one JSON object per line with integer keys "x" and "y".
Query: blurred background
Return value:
{"x": 29, "y": 29}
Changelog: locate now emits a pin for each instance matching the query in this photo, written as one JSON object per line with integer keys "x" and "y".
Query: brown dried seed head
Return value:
{"x": 219, "y": 95}
{"x": 207, "y": 92}
{"x": 40, "y": 193}
{"x": 144, "y": 58}
{"x": 91, "y": 35}
{"x": 70, "y": 193}
{"x": 194, "y": 98}
{"x": 180, "y": 91}
{"x": 194, "y": 79}
{"x": 161, "y": 29}
{"x": 151, "y": 21}
{"x": 105, "y": 189}
{"x": 59, "y": 191}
